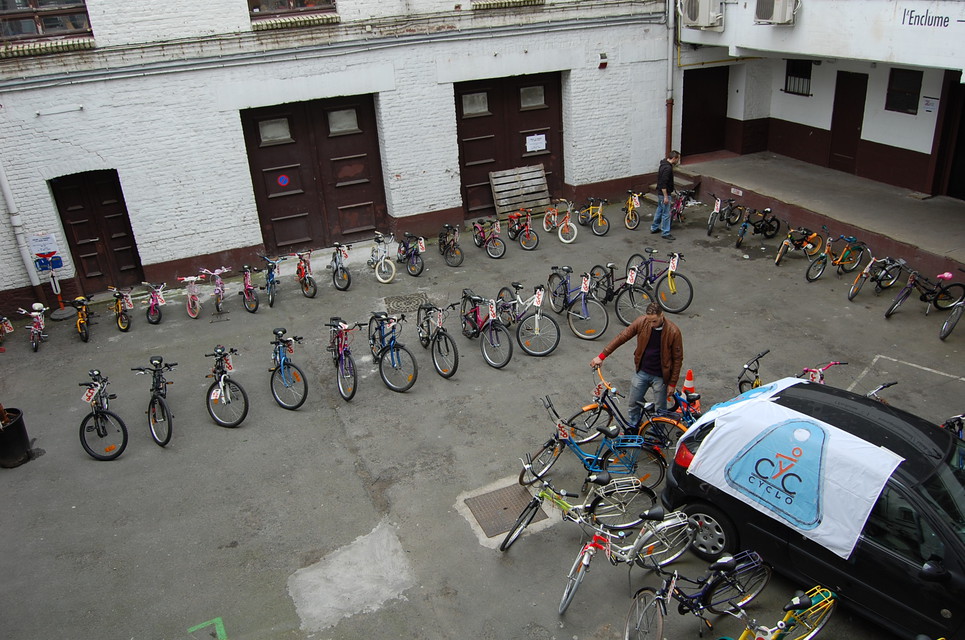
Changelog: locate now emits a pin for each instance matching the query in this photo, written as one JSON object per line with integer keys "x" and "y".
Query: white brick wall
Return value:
{"x": 119, "y": 22}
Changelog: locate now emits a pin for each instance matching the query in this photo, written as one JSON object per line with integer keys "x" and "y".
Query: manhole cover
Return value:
{"x": 402, "y": 304}
{"x": 497, "y": 510}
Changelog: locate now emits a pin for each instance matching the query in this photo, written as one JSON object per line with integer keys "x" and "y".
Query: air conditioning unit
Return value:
{"x": 700, "y": 14}
{"x": 776, "y": 11}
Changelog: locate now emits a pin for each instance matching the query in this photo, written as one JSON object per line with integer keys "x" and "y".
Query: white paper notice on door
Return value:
{"x": 536, "y": 143}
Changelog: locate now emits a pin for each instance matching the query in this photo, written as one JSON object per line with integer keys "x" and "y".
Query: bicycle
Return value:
{"x": 751, "y": 367}
{"x": 5, "y": 327}
{"x": 485, "y": 234}
{"x": 611, "y": 504}
{"x": 949, "y": 325}
{"x": 102, "y": 432}
{"x": 731, "y": 581}
{"x": 272, "y": 282}
{"x": 341, "y": 278}
{"x": 226, "y": 400}
{"x": 408, "y": 253}
{"x": 873, "y": 394}
{"x": 248, "y": 289}
{"x": 449, "y": 245}
{"x": 479, "y": 319}
{"x": 884, "y": 272}
{"x": 36, "y": 333}
{"x": 346, "y": 376}
{"x": 804, "y": 617}
{"x": 521, "y": 229}
{"x": 289, "y": 387}
{"x": 160, "y": 420}
{"x": 680, "y": 201}
{"x": 592, "y": 215}
{"x": 631, "y": 219}
{"x": 956, "y": 424}
{"x": 587, "y": 318}
{"x": 564, "y": 226}
{"x": 82, "y": 320}
{"x": 846, "y": 261}
{"x": 379, "y": 259}
{"x": 730, "y": 212}
{"x": 663, "y": 538}
{"x": 536, "y": 333}
{"x": 768, "y": 225}
{"x": 193, "y": 299}
{"x": 940, "y": 295}
{"x": 799, "y": 239}
{"x": 671, "y": 289}
{"x": 433, "y": 335}
{"x": 122, "y": 302}
{"x": 218, "y": 293}
{"x": 155, "y": 301}
{"x": 630, "y": 299}
{"x": 817, "y": 374}
{"x": 397, "y": 367}
{"x": 303, "y": 273}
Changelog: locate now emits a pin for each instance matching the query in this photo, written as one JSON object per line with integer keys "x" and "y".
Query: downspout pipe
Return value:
{"x": 671, "y": 38}
{"x": 16, "y": 222}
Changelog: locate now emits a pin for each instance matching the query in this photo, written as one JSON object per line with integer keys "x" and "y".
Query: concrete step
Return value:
{"x": 682, "y": 180}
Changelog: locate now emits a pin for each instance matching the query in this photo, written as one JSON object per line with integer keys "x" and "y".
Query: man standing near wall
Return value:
{"x": 661, "y": 219}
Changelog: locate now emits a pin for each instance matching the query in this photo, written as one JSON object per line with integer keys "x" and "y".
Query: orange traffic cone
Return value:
{"x": 689, "y": 388}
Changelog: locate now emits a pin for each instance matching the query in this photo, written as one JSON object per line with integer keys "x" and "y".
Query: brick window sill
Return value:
{"x": 40, "y": 47}
{"x": 504, "y": 4}
{"x": 291, "y": 22}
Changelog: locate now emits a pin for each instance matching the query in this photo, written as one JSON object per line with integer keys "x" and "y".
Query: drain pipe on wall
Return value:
{"x": 671, "y": 39}
{"x": 17, "y": 224}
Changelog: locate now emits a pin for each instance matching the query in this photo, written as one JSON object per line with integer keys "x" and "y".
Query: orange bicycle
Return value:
{"x": 560, "y": 220}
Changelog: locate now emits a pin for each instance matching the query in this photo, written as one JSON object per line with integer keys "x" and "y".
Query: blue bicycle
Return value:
{"x": 271, "y": 277}
{"x": 288, "y": 384}
{"x": 397, "y": 368}
{"x": 409, "y": 249}
{"x": 587, "y": 317}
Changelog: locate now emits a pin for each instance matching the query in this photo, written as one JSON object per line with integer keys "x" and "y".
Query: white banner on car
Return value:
{"x": 801, "y": 471}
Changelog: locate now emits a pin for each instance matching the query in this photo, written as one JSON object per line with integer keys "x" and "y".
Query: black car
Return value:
{"x": 907, "y": 570}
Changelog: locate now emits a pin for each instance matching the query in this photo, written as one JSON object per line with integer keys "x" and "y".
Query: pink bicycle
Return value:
{"x": 155, "y": 302}
{"x": 218, "y": 286}
{"x": 193, "y": 301}
{"x": 817, "y": 375}
{"x": 37, "y": 334}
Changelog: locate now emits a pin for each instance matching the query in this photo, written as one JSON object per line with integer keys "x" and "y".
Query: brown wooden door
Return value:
{"x": 98, "y": 230}
{"x": 316, "y": 171}
{"x": 505, "y": 123}
{"x": 850, "y": 91}
{"x": 703, "y": 118}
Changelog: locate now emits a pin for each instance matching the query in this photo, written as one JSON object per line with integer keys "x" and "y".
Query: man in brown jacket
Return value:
{"x": 657, "y": 358}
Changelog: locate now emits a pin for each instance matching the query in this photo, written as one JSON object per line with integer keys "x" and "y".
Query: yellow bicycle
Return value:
{"x": 592, "y": 214}
{"x": 631, "y": 219}
{"x": 805, "y": 615}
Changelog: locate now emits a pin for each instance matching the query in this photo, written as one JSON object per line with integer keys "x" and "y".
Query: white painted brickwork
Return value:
{"x": 118, "y": 22}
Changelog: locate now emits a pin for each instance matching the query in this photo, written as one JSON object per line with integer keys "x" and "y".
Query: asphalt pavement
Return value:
{"x": 348, "y": 519}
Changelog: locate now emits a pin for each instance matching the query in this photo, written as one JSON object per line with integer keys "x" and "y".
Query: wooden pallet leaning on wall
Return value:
{"x": 519, "y": 188}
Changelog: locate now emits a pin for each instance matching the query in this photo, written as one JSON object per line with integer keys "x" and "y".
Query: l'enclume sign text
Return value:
{"x": 914, "y": 18}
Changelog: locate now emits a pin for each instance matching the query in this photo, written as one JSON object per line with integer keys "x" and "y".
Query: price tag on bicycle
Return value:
{"x": 7, "y": 326}
{"x": 227, "y": 364}
{"x": 585, "y": 284}
{"x": 539, "y": 297}
{"x": 439, "y": 319}
{"x": 636, "y": 200}
{"x": 215, "y": 394}
{"x": 128, "y": 303}
{"x": 422, "y": 244}
{"x": 562, "y": 430}
{"x": 631, "y": 275}
{"x": 492, "y": 308}
{"x": 344, "y": 252}
{"x": 717, "y": 205}
{"x": 160, "y": 300}
{"x": 496, "y": 227}
{"x": 90, "y": 393}
{"x": 290, "y": 346}
{"x": 814, "y": 376}
{"x": 673, "y": 262}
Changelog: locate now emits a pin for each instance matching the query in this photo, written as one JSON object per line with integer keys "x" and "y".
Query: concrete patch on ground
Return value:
{"x": 357, "y": 578}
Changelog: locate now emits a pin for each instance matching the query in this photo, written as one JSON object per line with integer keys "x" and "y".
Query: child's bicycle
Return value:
{"x": 760, "y": 222}
{"x": 800, "y": 239}
{"x": 272, "y": 281}
{"x": 82, "y": 321}
{"x": 449, "y": 245}
{"x": 379, "y": 260}
{"x": 805, "y": 615}
{"x": 408, "y": 253}
{"x": 218, "y": 293}
{"x": 226, "y": 400}
{"x": 592, "y": 214}
{"x": 560, "y": 220}
{"x": 521, "y": 229}
{"x": 5, "y": 327}
{"x": 249, "y": 291}
{"x": 303, "y": 274}
{"x": 884, "y": 272}
{"x": 817, "y": 375}
{"x": 160, "y": 420}
{"x": 397, "y": 367}
{"x": 288, "y": 385}
{"x": 940, "y": 295}
{"x": 631, "y": 219}
{"x": 744, "y": 381}
{"x": 155, "y": 301}
{"x": 956, "y": 425}
{"x": 680, "y": 201}
{"x": 120, "y": 306}
{"x": 485, "y": 234}
{"x": 192, "y": 301}
{"x": 36, "y": 333}
{"x": 102, "y": 433}
{"x": 341, "y": 278}
{"x": 340, "y": 336}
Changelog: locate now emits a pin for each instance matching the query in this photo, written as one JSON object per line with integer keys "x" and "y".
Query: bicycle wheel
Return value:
{"x": 397, "y": 368}
{"x": 477, "y": 237}
{"x": 341, "y": 278}
{"x": 619, "y": 504}
{"x": 445, "y": 355}
{"x": 851, "y": 261}
{"x": 592, "y": 323}
{"x": 83, "y": 330}
{"x": 541, "y": 462}
{"x": 527, "y": 515}
{"x": 375, "y": 341}
{"x": 667, "y": 542}
{"x": 632, "y": 220}
{"x": 740, "y": 235}
{"x": 645, "y": 618}
{"x": 505, "y": 306}
{"x": 219, "y": 301}
{"x": 423, "y": 325}
{"x": 902, "y": 295}
{"x": 583, "y": 217}
{"x": 384, "y": 271}
{"x": 807, "y": 624}
{"x": 600, "y": 225}
{"x": 575, "y": 578}
{"x": 816, "y": 268}
{"x": 309, "y": 287}
{"x": 635, "y": 261}
{"x": 496, "y": 345}
{"x": 496, "y": 248}
{"x": 556, "y": 287}
{"x": 949, "y": 295}
{"x": 813, "y": 246}
{"x": 737, "y": 588}
{"x": 674, "y": 295}
{"x": 642, "y": 462}
{"x": 103, "y": 435}
{"x": 193, "y": 306}
{"x": 567, "y": 232}
{"x": 548, "y": 222}
{"x": 781, "y": 251}
{"x": 415, "y": 265}
{"x": 288, "y": 386}
{"x": 159, "y": 420}
{"x": 631, "y": 303}
{"x": 528, "y": 239}
{"x": 250, "y": 300}
{"x": 227, "y": 408}
{"x": 34, "y": 342}
{"x": 454, "y": 256}
{"x": 153, "y": 313}
{"x": 599, "y": 282}
{"x": 666, "y": 431}
{"x": 711, "y": 221}
{"x": 856, "y": 285}
{"x": 123, "y": 321}
{"x": 887, "y": 277}
{"x": 346, "y": 378}
{"x": 732, "y": 215}
{"x": 950, "y": 322}
{"x": 745, "y": 385}
{"x": 771, "y": 228}
{"x": 538, "y": 334}
{"x": 584, "y": 425}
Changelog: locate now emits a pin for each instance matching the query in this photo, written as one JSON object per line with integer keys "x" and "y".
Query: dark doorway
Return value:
{"x": 506, "y": 123}
{"x": 703, "y": 119}
{"x": 951, "y": 150}
{"x": 850, "y": 91}
{"x": 98, "y": 230}
{"x": 316, "y": 170}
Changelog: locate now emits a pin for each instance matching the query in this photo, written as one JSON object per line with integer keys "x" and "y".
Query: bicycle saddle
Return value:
{"x": 725, "y": 563}
{"x": 408, "y": 235}
{"x": 279, "y": 332}
{"x": 334, "y": 320}
{"x": 609, "y": 430}
{"x": 945, "y": 276}
{"x": 447, "y": 226}
{"x": 650, "y": 250}
{"x": 519, "y": 285}
{"x": 611, "y": 265}
{"x": 380, "y": 314}
{"x": 656, "y": 514}
{"x": 467, "y": 293}
{"x": 602, "y": 478}
{"x": 156, "y": 361}
{"x": 566, "y": 269}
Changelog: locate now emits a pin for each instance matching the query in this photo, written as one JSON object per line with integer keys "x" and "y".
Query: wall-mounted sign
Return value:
{"x": 929, "y": 104}
{"x": 536, "y": 143}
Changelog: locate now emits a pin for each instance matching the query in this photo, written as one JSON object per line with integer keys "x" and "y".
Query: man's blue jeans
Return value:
{"x": 661, "y": 219}
{"x": 639, "y": 385}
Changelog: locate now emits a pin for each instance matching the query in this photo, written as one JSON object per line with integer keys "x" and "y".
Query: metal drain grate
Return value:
{"x": 496, "y": 511}
{"x": 407, "y": 303}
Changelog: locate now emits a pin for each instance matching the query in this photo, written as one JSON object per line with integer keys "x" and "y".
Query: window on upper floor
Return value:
{"x": 904, "y": 89}
{"x": 277, "y": 8}
{"x": 797, "y": 77}
{"x": 38, "y": 19}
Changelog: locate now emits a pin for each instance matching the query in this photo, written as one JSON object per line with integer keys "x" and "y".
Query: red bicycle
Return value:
{"x": 817, "y": 375}
{"x": 521, "y": 229}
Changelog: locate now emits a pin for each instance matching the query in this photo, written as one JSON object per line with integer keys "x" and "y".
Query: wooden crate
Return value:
{"x": 519, "y": 188}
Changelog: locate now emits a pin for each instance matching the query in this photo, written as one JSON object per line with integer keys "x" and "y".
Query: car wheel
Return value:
{"x": 716, "y": 534}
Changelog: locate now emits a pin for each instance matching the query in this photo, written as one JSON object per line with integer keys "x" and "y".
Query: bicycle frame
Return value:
{"x": 817, "y": 374}
{"x": 751, "y": 367}
{"x": 387, "y": 332}
{"x": 155, "y": 300}
{"x": 810, "y": 610}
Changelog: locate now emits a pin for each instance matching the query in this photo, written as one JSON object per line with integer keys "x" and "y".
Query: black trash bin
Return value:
{"x": 14, "y": 444}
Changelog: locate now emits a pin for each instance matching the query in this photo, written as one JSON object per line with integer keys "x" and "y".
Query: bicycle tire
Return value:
{"x": 600, "y": 226}
{"x": 771, "y": 227}
{"x": 528, "y": 239}
{"x": 631, "y": 303}
{"x": 631, "y": 220}
{"x": 398, "y": 368}
{"x": 593, "y": 324}
{"x": 645, "y": 617}
{"x": 541, "y": 462}
{"x": 289, "y": 396}
{"x": 423, "y": 325}
{"x": 445, "y": 354}
{"x": 375, "y": 342}
{"x": 736, "y": 588}
{"x": 887, "y": 277}
{"x": 583, "y": 217}
{"x": 548, "y": 221}
{"x": 813, "y": 246}
{"x": 711, "y": 222}
{"x": 816, "y": 269}
{"x": 781, "y": 251}
{"x": 618, "y": 506}
{"x": 812, "y": 620}
{"x": 477, "y": 237}
{"x": 495, "y": 248}
{"x": 671, "y": 301}
{"x": 341, "y": 278}
{"x": 949, "y": 295}
{"x": 103, "y": 435}
{"x": 599, "y": 282}
{"x": 900, "y": 298}
{"x": 506, "y": 310}
{"x": 949, "y": 325}
{"x": 160, "y": 421}
{"x": 745, "y": 385}
{"x": 415, "y": 265}
{"x": 567, "y": 232}
{"x": 193, "y": 306}
{"x": 635, "y": 260}
{"x": 667, "y": 542}
{"x": 496, "y": 345}
{"x": 83, "y": 330}
{"x": 153, "y": 314}
{"x": 230, "y": 408}
{"x": 642, "y": 462}
{"x": 740, "y": 235}
{"x": 584, "y": 425}
{"x": 538, "y": 335}
{"x": 309, "y": 287}
{"x": 454, "y": 256}
{"x": 525, "y": 517}
{"x": 34, "y": 343}
{"x": 123, "y": 322}
{"x": 854, "y": 257}
{"x": 856, "y": 285}
{"x": 733, "y": 215}
{"x": 665, "y": 430}
{"x": 384, "y": 271}
{"x": 512, "y": 231}
{"x": 574, "y": 579}
{"x": 556, "y": 288}
{"x": 346, "y": 377}
{"x": 250, "y": 301}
